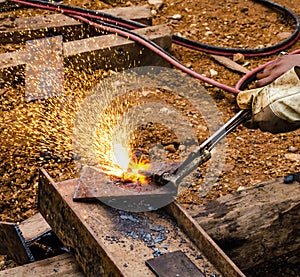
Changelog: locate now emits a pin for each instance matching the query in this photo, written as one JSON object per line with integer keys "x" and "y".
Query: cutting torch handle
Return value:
{"x": 202, "y": 153}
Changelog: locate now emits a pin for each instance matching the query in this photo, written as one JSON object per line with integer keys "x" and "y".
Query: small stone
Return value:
{"x": 170, "y": 148}
{"x": 125, "y": 265}
{"x": 213, "y": 72}
{"x": 56, "y": 268}
{"x": 293, "y": 149}
{"x": 186, "y": 185}
{"x": 182, "y": 147}
{"x": 157, "y": 3}
{"x": 189, "y": 65}
{"x": 238, "y": 57}
{"x": 153, "y": 12}
{"x": 177, "y": 16}
{"x": 284, "y": 35}
{"x": 240, "y": 188}
{"x": 208, "y": 33}
{"x": 240, "y": 138}
{"x": 292, "y": 157}
{"x": 289, "y": 179}
{"x": 246, "y": 63}
{"x": 165, "y": 246}
{"x": 227, "y": 167}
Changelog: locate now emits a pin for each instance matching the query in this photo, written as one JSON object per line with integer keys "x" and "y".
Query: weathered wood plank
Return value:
{"x": 104, "y": 241}
{"x": 107, "y": 52}
{"x": 44, "y": 68}
{"x": 254, "y": 225}
{"x": 140, "y": 14}
{"x": 117, "y": 53}
{"x": 61, "y": 265}
{"x": 28, "y": 28}
{"x": 106, "y": 45}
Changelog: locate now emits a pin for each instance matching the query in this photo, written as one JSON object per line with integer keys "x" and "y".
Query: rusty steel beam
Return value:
{"x": 13, "y": 244}
{"x": 197, "y": 234}
{"x": 105, "y": 241}
{"x": 89, "y": 252}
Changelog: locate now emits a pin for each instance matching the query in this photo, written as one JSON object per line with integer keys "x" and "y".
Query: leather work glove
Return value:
{"x": 276, "y": 106}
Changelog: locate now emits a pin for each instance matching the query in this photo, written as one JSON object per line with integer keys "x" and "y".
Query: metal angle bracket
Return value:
{"x": 93, "y": 185}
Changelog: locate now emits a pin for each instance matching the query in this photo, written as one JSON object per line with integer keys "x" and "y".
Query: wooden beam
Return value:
{"x": 140, "y": 14}
{"x": 61, "y": 265}
{"x": 102, "y": 241}
{"x": 107, "y": 52}
{"x": 28, "y": 28}
{"x": 255, "y": 225}
{"x": 44, "y": 68}
{"x": 118, "y": 53}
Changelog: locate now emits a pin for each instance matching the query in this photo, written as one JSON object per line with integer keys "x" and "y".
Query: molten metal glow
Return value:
{"x": 135, "y": 166}
{"x": 130, "y": 164}
{"x": 117, "y": 160}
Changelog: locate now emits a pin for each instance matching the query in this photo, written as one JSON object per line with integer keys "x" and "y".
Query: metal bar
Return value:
{"x": 108, "y": 242}
{"x": 203, "y": 241}
{"x": 228, "y": 127}
{"x": 90, "y": 253}
{"x": 13, "y": 244}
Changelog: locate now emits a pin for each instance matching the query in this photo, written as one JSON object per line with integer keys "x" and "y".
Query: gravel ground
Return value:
{"x": 252, "y": 156}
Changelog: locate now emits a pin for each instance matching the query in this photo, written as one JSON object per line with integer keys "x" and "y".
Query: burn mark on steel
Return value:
{"x": 140, "y": 227}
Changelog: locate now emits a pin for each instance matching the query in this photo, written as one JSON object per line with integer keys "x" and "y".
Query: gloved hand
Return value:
{"x": 276, "y": 68}
{"x": 275, "y": 107}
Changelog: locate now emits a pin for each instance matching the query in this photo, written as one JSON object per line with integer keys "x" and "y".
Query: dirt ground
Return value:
{"x": 252, "y": 156}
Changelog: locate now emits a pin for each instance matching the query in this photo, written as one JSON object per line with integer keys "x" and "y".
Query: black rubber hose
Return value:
{"x": 256, "y": 51}
{"x": 191, "y": 43}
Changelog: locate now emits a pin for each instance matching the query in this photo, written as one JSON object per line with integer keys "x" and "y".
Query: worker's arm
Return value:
{"x": 276, "y": 69}
{"x": 276, "y": 106}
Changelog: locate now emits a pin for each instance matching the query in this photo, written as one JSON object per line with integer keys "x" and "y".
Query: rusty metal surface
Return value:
{"x": 174, "y": 264}
{"x": 13, "y": 244}
{"x": 90, "y": 254}
{"x": 110, "y": 242}
{"x": 210, "y": 249}
{"x": 94, "y": 184}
